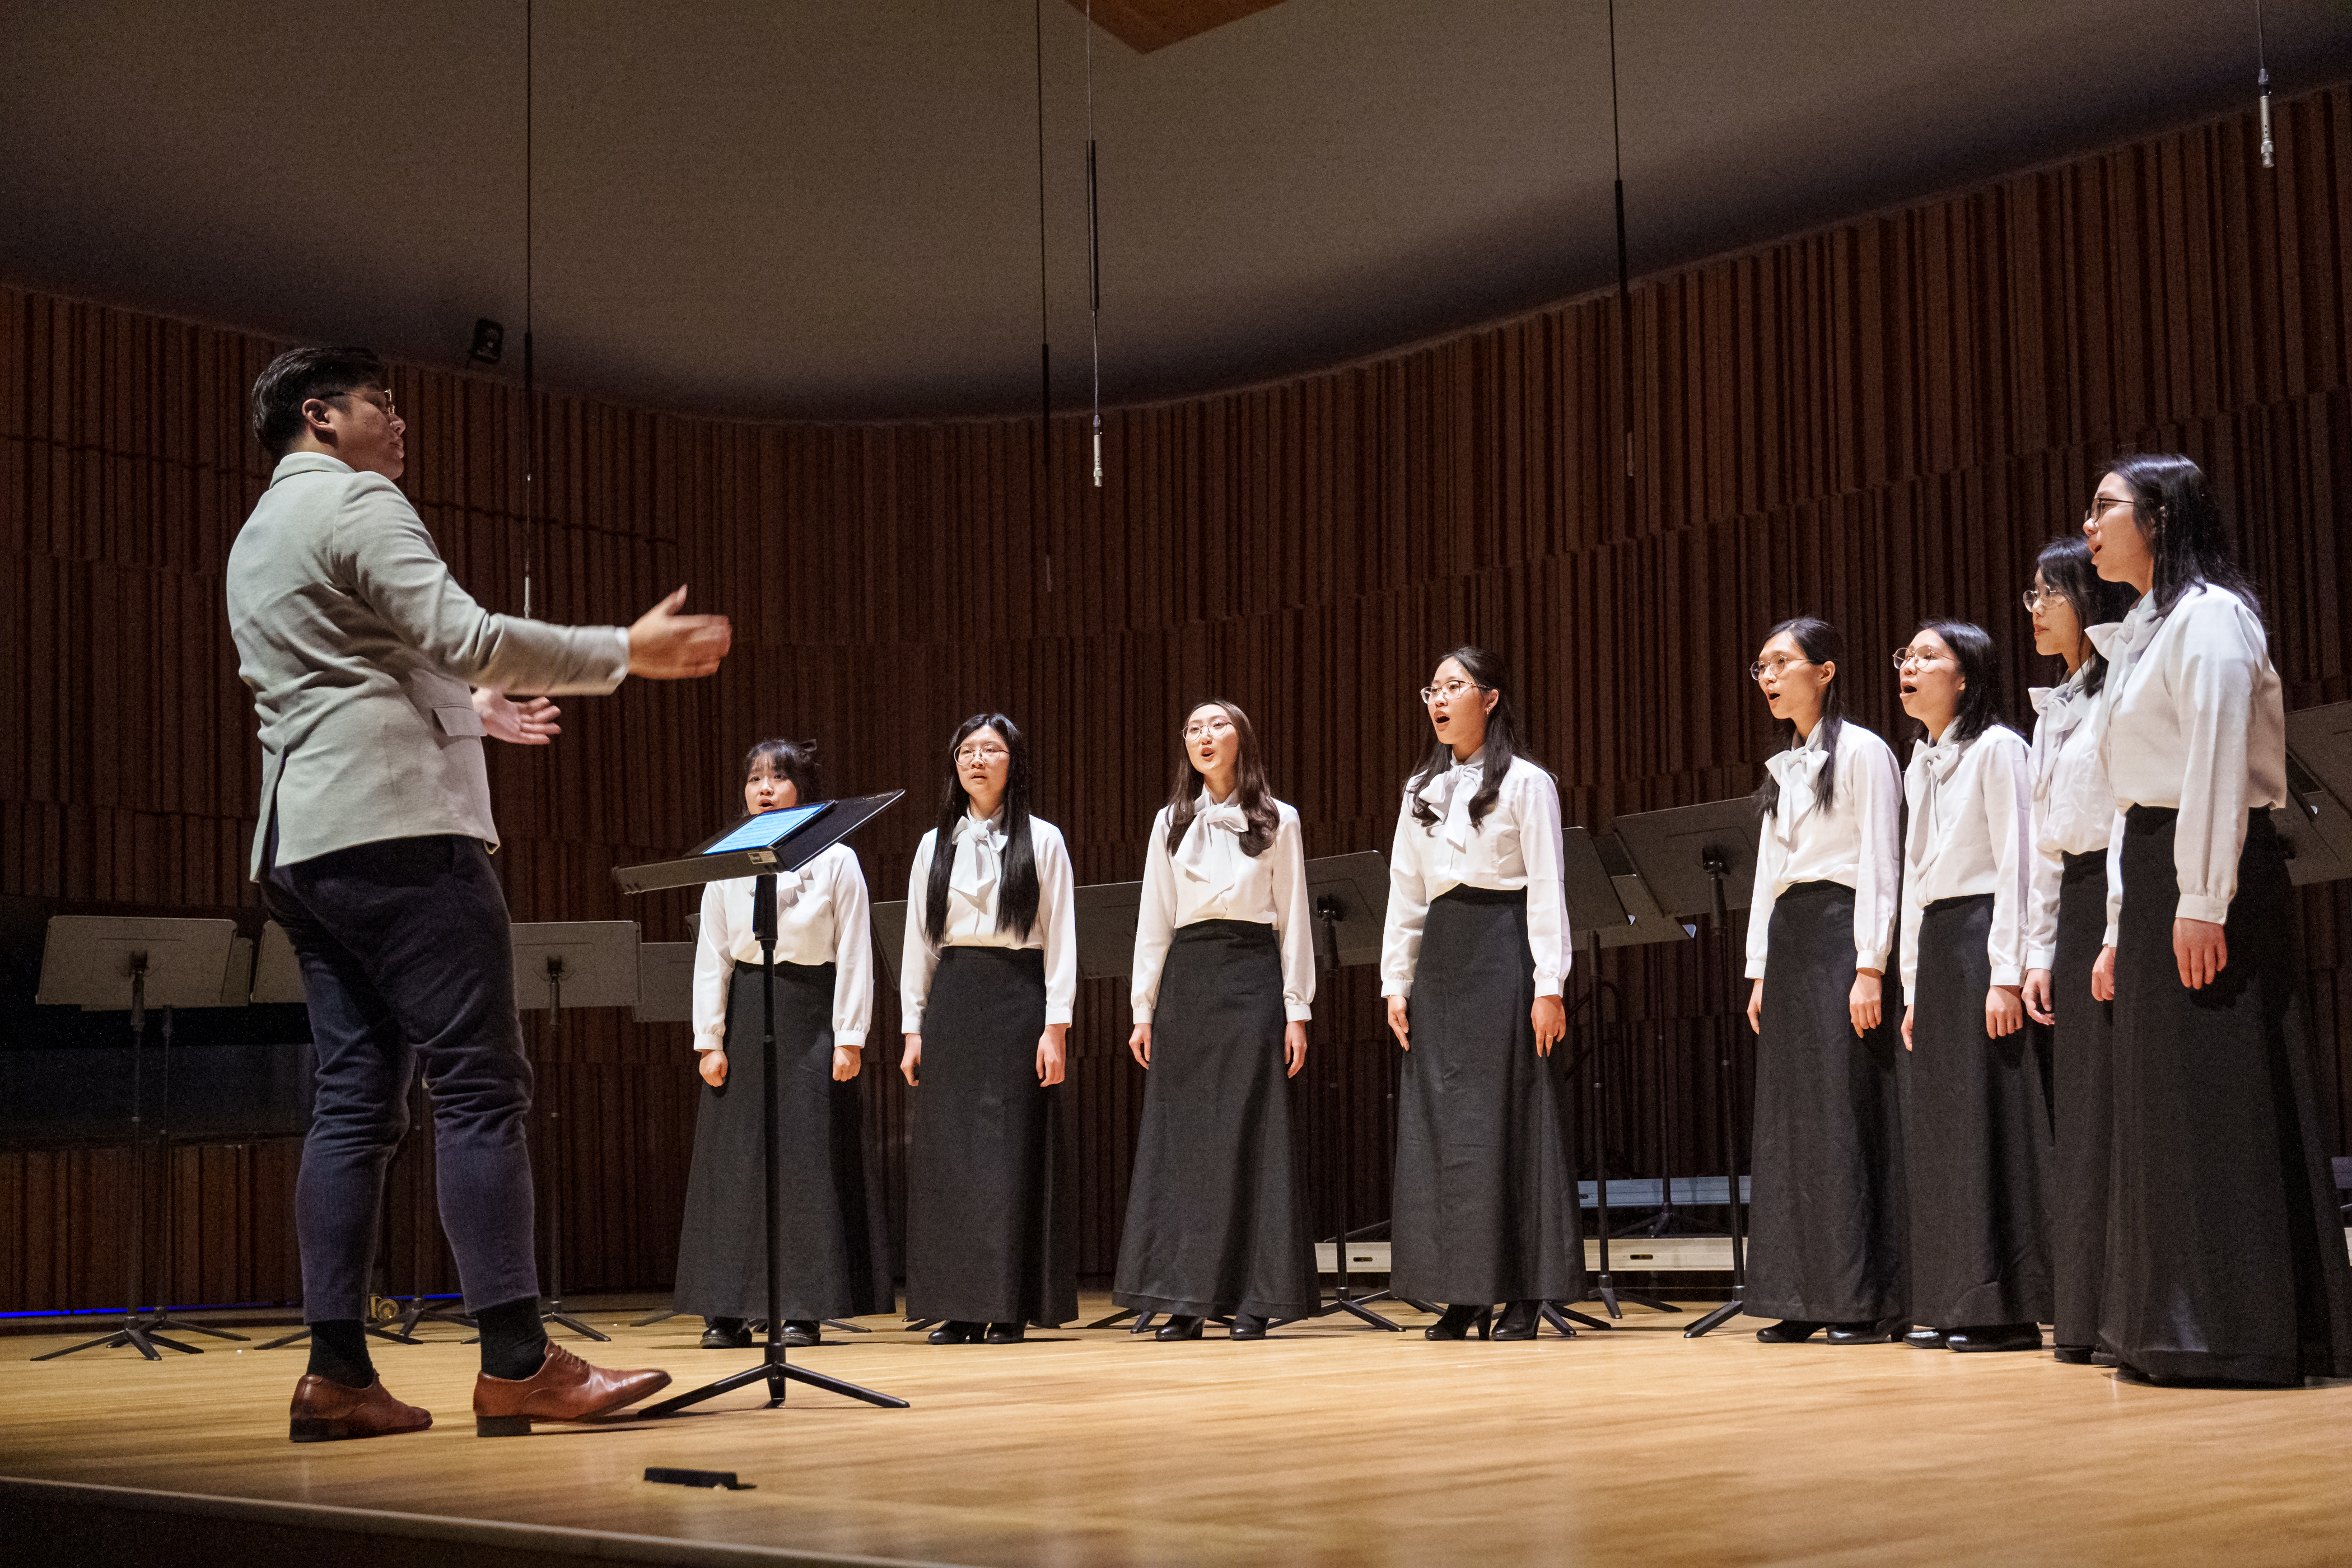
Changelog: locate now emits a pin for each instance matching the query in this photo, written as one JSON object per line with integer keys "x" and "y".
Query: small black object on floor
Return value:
{"x": 724, "y": 1479}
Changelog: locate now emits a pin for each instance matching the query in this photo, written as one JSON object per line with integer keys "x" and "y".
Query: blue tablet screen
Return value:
{"x": 765, "y": 830}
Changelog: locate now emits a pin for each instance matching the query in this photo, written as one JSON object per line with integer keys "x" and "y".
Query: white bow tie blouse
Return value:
{"x": 1971, "y": 816}
{"x": 822, "y": 916}
{"x": 1516, "y": 848}
{"x": 974, "y": 885}
{"x": 1211, "y": 878}
{"x": 1856, "y": 843}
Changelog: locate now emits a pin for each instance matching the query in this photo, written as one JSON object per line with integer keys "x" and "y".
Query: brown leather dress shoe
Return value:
{"x": 564, "y": 1388}
{"x": 326, "y": 1410}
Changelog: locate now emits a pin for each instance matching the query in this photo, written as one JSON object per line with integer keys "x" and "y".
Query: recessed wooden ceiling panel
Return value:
{"x": 1144, "y": 26}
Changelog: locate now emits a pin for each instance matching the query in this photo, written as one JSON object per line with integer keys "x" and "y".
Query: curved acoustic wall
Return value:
{"x": 1873, "y": 422}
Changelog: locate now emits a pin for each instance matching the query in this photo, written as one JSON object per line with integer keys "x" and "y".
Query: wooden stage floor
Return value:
{"x": 1324, "y": 1444}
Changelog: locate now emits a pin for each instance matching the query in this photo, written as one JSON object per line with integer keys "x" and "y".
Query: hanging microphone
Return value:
{"x": 2263, "y": 77}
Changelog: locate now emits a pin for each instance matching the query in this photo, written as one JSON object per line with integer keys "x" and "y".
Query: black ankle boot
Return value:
{"x": 1179, "y": 1326}
{"x": 1520, "y": 1320}
{"x": 1248, "y": 1326}
{"x": 1460, "y": 1318}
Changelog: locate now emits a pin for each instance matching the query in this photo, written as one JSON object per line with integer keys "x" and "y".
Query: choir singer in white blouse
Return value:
{"x": 831, "y": 1237}
{"x": 985, "y": 991}
{"x": 1827, "y": 1245}
{"x": 1976, "y": 1137}
{"x": 2226, "y": 1263}
{"x": 1224, "y": 983}
{"x": 1472, "y": 960}
{"x": 2066, "y": 923}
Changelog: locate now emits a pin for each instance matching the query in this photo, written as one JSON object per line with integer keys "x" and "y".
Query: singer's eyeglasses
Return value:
{"x": 1776, "y": 667}
{"x": 1450, "y": 691}
{"x": 1201, "y": 727}
{"x": 2100, "y": 506}
{"x": 1905, "y": 658}
{"x": 983, "y": 755}
{"x": 2037, "y": 597}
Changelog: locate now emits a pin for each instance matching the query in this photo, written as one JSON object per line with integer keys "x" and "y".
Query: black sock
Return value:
{"x": 339, "y": 1353}
{"x": 513, "y": 1342}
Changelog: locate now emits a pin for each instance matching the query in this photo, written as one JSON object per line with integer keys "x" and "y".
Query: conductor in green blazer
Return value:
{"x": 376, "y": 678}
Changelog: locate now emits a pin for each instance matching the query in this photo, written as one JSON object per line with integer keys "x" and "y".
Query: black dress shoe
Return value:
{"x": 1996, "y": 1337}
{"x": 1520, "y": 1320}
{"x": 1926, "y": 1339}
{"x": 1458, "y": 1319}
{"x": 1006, "y": 1333}
{"x": 1860, "y": 1334}
{"x": 2072, "y": 1355}
{"x": 955, "y": 1331}
{"x": 802, "y": 1333}
{"x": 1247, "y": 1326}
{"x": 1179, "y": 1326}
{"x": 725, "y": 1334}
{"x": 1789, "y": 1331}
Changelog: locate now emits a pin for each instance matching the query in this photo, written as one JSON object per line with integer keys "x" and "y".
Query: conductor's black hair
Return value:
{"x": 298, "y": 376}
{"x": 1016, "y": 901}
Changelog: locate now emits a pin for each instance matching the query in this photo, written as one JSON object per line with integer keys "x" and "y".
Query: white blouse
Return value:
{"x": 972, "y": 886}
{"x": 1971, "y": 817}
{"x": 1858, "y": 842}
{"x": 1212, "y": 877}
{"x": 2073, "y": 805}
{"x": 2195, "y": 718}
{"x": 822, "y": 916}
{"x": 1516, "y": 847}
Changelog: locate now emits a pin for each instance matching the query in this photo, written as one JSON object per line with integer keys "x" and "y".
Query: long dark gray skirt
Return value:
{"x": 1215, "y": 1219}
{"x": 1485, "y": 1205}
{"x": 2082, "y": 1103}
{"x": 1976, "y": 1139}
{"x": 2226, "y": 1256}
{"x": 1827, "y": 1239}
{"x": 830, "y": 1233}
{"x": 991, "y": 1216}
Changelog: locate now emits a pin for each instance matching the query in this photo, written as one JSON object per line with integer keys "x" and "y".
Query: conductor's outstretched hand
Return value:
{"x": 666, "y": 645}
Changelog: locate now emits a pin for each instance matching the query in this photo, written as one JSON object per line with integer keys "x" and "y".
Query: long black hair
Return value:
{"x": 1257, "y": 796}
{"x": 1821, "y": 643}
{"x": 1016, "y": 900}
{"x": 1502, "y": 744}
{"x": 2067, "y": 571}
{"x": 795, "y": 760}
{"x": 1979, "y": 662}
{"x": 2174, "y": 508}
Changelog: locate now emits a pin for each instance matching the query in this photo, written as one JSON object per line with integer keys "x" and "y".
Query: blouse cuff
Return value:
{"x": 2196, "y": 907}
{"x": 1058, "y": 1015}
{"x": 1296, "y": 1012}
{"x": 2040, "y": 958}
{"x": 853, "y": 1039}
{"x": 2008, "y": 974}
{"x": 2109, "y": 939}
{"x": 1143, "y": 1015}
{"x": 1910, "y": 995}
{"x": 710, "y": 1039}
{"x": 1866, "y": 958}
{"x": 910, "y": 1022}
{"x": 1546, "y": 988}
{"x": 1755, "y": 969}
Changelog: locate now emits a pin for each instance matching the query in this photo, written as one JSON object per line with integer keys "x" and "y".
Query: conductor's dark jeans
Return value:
{"x": 407, "y": 961}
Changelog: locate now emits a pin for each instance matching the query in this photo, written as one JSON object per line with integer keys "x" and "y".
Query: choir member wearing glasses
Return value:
{"x": 830, "y": 1233}
{"x": 2065, "y": 925}
{"x": 1827, "y": 1248}
{"x": 1472, "y": 961}
{"x": 1976, "y": 1134}
{"x": 2226, "y": 1261}
{"x": 1224, "y": 983}
{"x": 990, "y": 970}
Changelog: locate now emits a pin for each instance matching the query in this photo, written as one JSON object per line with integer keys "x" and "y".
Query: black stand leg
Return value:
{"x": 552, "y": 1308}
{"x": 1329, "y": 914}
{"x": 1114, "y": 1320}
{"x": 1728, "y": 1096}
{"x": 1604, "y": 1287}
{"x": 773, "y": 1369}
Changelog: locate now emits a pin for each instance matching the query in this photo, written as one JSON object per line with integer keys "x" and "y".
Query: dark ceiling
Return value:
{"x": 830, "y": 207}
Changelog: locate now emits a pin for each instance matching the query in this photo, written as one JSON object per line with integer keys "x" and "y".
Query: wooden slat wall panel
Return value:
{"x": 1874, "y": 421}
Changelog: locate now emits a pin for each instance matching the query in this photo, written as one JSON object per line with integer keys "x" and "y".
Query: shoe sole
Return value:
{"x": 317, "y": 1430}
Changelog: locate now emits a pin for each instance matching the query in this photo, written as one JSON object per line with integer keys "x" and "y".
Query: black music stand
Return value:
{"x": 1598, "y": 914}
{"x": 104, "y": 964}
{"x": 1349, "y": 896}
{"x": 582, "y": 964}
{"x": 2315, "y": 823}
{"x": 803, "y": 841}
{"x": 1106, "y": 915}
{"x": 1701, "y": 860}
